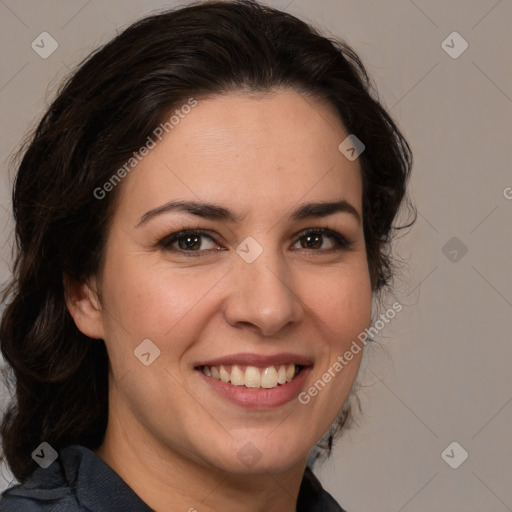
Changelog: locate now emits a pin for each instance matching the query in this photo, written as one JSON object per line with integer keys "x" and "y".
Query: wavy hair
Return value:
{"x": 101, "y": 115}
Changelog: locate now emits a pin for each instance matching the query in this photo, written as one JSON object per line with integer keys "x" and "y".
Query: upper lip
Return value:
{"x": 251, "y": 359}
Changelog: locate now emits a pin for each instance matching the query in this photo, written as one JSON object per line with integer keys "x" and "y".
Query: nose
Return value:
{"x": 262, "y": 296}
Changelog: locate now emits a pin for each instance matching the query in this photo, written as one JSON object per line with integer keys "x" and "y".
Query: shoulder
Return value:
{"x": 313, "y": 497}
{"x": 77, "y": 481}
{"x": 46, "y": 489}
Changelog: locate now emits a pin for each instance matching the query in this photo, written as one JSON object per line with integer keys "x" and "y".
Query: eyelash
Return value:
{"x": 341, "y": 243}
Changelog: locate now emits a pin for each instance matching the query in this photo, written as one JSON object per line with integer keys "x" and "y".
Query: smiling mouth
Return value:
{"x": 254, "y": 377}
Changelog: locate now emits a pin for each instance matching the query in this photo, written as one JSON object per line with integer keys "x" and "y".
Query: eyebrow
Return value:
{"x": 216, "y": 212}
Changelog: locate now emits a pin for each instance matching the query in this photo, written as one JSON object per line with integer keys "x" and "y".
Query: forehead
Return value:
{"x": 255, "y": 152}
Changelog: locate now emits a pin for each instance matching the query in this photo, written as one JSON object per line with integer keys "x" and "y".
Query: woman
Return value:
{"x": 203, "y": 217}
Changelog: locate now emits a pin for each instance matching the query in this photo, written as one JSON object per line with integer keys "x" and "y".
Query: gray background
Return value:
{"x": 444, "y": 372}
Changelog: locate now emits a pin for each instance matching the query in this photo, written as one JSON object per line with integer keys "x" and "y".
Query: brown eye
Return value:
{"x": 312, "y": 241}
{"x": 314, "y": 238}
{"x": 188, "y": 241}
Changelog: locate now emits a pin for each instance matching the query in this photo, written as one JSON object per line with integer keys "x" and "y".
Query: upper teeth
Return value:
{"x": 252, "y": 376}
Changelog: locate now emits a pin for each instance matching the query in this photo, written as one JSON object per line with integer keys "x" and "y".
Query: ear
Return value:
{"x": 84, "y": 306}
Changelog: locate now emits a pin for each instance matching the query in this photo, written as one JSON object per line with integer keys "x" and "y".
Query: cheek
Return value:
{"x": 341, "y": 303}
{"x": 340, "y": 309}
{"x": 153, "y": 300}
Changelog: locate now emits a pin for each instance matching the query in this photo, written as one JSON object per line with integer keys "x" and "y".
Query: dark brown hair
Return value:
{"x": 103, "y": 114}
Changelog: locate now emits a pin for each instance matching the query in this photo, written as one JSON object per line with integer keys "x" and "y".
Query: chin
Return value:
{"x": 260, "y": 454}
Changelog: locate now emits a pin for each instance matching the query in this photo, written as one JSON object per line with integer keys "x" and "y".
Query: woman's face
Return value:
{"x": 250, "y": 290}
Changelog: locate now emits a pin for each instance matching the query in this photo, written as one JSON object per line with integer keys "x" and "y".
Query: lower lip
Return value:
{"x": 257, "y": 398}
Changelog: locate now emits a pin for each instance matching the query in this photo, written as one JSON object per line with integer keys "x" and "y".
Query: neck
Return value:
{"x": 166, "y": 479}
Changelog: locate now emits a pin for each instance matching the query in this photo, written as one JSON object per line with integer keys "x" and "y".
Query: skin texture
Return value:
{"x": 170, "y": 436}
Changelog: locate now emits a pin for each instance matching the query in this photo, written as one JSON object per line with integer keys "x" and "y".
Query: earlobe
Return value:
{"x": 84, "y": 306}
